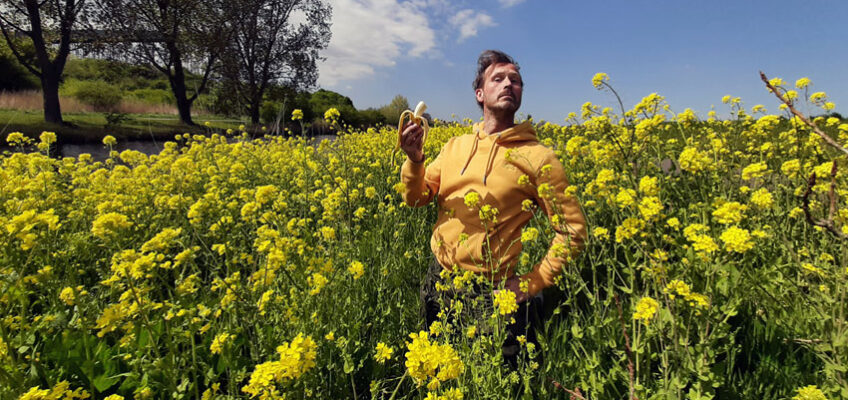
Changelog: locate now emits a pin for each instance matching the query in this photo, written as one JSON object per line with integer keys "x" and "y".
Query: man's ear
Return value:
{"x": 478, "y": 93}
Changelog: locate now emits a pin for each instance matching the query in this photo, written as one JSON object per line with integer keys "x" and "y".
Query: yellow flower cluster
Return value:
{"x": 811, "y": 392}
{"x": 296, "y": 358}
{"x": 730, "y": 212}
{"x": 694, "y": 160}
{"x": 646, "y": 309}
{"x": 504, "y": 301}
{"x": 431, "y": 362}
{"x": 383, "y": 353}
{"x": 677, "y": 288}
{"x": 701, "y": 242}
{"x": 61, "y": 391}
{"x": 356, "y": 269}
{"x": 737, "y": 240}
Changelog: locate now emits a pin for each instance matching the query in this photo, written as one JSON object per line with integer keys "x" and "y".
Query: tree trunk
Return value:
{"x": 178, "y": 85}
{"x": 50, "y": 92}
{"x": 254, "y": 112}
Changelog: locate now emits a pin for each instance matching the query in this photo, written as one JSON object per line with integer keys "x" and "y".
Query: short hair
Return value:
{"x": 487, "y": 58}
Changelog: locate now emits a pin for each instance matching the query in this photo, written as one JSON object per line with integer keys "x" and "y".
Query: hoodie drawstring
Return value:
{"x": 492, "y": 152}
{"x": 473, "y": 150}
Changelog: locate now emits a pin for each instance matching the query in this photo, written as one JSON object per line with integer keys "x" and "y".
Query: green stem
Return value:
{"x": 394, "y": 393}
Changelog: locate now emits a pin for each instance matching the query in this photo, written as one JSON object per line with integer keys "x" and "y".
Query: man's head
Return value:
{"x": 498, "y": 85}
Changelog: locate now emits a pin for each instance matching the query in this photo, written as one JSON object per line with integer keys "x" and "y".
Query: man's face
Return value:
{"x": 501, "y": 88}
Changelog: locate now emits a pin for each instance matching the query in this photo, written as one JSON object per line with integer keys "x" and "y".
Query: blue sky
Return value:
{"x": 691, "y": 52}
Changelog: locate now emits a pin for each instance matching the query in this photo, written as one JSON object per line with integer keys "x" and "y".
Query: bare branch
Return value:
{"x": 801, "y": 116}
{"x": 824, "y": 223}
{"x": 627, "y": 349}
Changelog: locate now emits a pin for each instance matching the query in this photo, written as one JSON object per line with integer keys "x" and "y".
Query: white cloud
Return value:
{"x": 470, "y": 22}
{"x": 510, "y": 3}
{"x": 374, "y": 33}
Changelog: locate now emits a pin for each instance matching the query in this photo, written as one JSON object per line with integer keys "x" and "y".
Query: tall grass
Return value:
{"x": 32, "y": 100}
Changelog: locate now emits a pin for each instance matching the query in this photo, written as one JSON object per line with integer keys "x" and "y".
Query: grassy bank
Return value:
{"x": 89, "y": 127}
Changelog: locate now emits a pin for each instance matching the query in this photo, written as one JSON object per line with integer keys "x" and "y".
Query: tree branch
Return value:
{"x": 801, "y": 116}
{"x": 627, "y": 349}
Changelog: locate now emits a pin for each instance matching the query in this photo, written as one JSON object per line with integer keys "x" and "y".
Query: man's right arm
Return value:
{"x": 420, "y": 183}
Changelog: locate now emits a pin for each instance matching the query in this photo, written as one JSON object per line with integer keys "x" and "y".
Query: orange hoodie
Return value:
{"x": 479, "y": 163}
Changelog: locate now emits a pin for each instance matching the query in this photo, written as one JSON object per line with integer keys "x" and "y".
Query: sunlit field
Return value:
{"x": 236, "y": 267}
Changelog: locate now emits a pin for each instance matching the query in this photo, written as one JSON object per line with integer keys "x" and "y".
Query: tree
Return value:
{"x": 274, "y": 42}
{"x": 168, "y": 35}
{"x": 49, "y": 22}
{"x": 392, "y": 111}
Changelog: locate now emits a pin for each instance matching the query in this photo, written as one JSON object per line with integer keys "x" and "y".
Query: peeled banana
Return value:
{"x": 414, "y": 117}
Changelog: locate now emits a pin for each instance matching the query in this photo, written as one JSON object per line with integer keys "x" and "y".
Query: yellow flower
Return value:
{"x": 646, "y": 308}
{"x": 601, "y": 233}
{"x": 426, "y": 361}
{"x": 762, "y": 198}
{"x": 545, "y": 191}
{"x": 737, "y": 240}
{"x": 650, "y": 207}
{"x": 673, "y": 223}
{"x": 356, "y": 269}
{"x": 16, "y": 138}
{"x": 219, "y": 342}
{"x": 693, "y": 160}
{"x": 505, "y": 302}
{"x": 67, "y": 296}
{"x": 628, "y": 228}
{"x": 529, "y": 235}
{"x": 316, "y": 283}
{"x": 332, "y": 115}
{"x": 802, "y": 83}
{"x": 295, "y": 359}
{"x": 472, "y": 199}
{"x": 730, "y": 212}
{"x": 648, "y": 186}
{"x": 755, "y": 170}
{"x": 810, "y": 392}
{"x": 328, "y": 233}
{"x": 109, "y": 140}
{"x": 109, "y": 224}
{"x": 383, "y": 353}
{"x": 599, "y": 79}
{"x": 625, "y": 198}
{"x": 297, "y": 114}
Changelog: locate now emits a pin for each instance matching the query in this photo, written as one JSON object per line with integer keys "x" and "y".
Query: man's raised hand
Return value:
{"x": 412, "y": 143}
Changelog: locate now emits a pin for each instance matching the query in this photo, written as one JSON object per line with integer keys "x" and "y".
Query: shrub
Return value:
{"x": 153, "y": 96}
{"x": 98, "y": 94}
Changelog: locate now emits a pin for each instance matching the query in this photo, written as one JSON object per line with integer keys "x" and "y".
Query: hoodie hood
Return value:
{"x": 518, "y": 133}
{"x": 522, "y": 132}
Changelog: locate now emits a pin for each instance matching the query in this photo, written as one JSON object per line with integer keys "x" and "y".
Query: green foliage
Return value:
{"x": 270, "y": 109}
{"x": 392, "y": 111}
{"x": 13, "y": 75}
{"x": 125, "y": 75}
{"x": 322, "y": 100}
{"x": 98, "y": 94}
{"x": 152, "y": 96}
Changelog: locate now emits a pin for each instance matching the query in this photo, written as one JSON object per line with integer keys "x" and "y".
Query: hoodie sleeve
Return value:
{"x": 420, "y": 183}
{"x": 566, "y": 219}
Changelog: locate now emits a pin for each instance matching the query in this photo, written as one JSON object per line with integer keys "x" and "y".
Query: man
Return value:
{"x": 484, "y": 182}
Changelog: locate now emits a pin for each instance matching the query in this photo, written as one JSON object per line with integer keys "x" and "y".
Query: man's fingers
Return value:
{"x": 412, "y": 134}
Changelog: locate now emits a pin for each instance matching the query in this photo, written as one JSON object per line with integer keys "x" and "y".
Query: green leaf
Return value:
{"x": 104, "y": 382}
{"x": 348, "y": 365}
{"x": 576, "y": 331}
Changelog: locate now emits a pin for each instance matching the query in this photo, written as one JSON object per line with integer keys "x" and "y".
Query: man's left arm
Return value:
{"x": 567, "y": 220}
